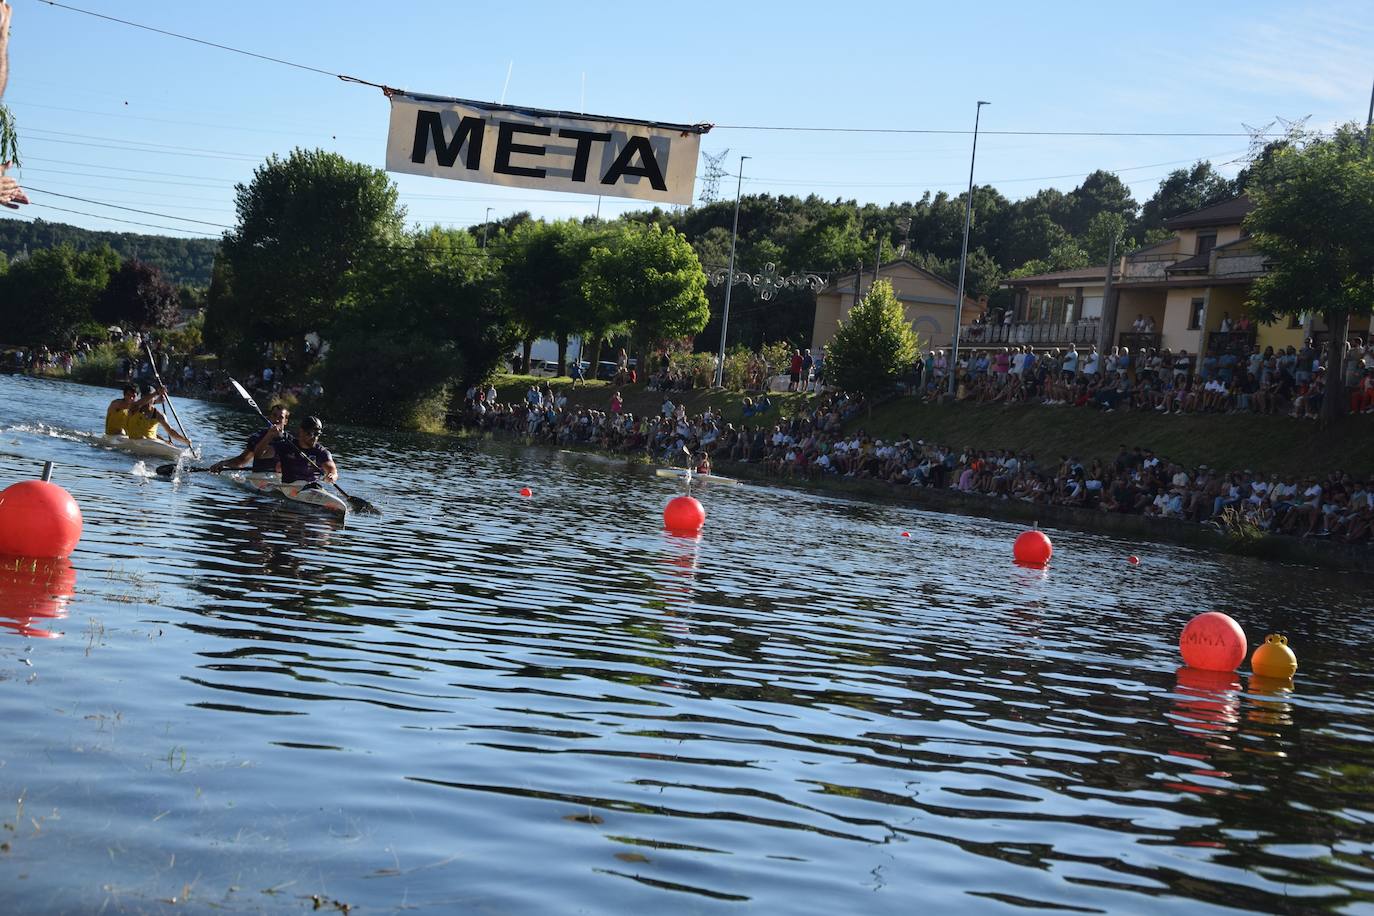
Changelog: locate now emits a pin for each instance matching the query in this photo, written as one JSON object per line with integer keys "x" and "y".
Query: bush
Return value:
{"x": 101, "y": 365}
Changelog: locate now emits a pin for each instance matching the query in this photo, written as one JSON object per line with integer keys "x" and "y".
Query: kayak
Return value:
{"x": 313, "y": 495}
{"x": 696, "y": 478}
{"x": 148, "y": 448}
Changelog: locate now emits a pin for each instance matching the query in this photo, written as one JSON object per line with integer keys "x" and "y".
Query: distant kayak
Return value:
{"x": 313, "y": 495}
{"x": 148, "y": 448}
{"x": 696, "y": 478}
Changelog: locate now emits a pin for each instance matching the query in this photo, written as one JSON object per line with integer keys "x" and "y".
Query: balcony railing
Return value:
{"x": 1031, "y": 333}
{"x": 1139, "y": 340}
{"x": 1237, "y": 342}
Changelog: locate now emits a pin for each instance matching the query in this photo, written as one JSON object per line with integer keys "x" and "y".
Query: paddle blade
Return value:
{"x": 165, "y": 470}
{"x": 357, "y": 504}
{"x": 243, "y": 393}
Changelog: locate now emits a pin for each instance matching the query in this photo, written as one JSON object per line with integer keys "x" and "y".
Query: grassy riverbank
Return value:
{"x": 1235, "y": 441}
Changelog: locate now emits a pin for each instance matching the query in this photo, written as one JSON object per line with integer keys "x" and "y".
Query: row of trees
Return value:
{"x": 59, "y": 294}
{"x": 183, "y": 261}
{"x": 321, "y": 246}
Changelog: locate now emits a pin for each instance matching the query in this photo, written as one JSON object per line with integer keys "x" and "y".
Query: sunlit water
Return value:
{"x": 545, "y": 705}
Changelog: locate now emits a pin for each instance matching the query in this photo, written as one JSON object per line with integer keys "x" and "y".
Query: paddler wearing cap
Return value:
{"x": 260, "y": 453}
{"x": 305, "y": 461}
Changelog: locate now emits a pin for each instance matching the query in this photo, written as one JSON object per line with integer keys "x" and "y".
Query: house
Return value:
{"x": 927, "y": 299}
{"x": 1048, "y": 310}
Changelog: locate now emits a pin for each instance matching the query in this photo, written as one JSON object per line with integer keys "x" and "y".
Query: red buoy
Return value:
{"x": 38, "y": 519}
{"x": 1032, "y": 548}
{"x": 1213, "y": 642}
{"x": 526, "y": 491}
{"x": 1133, "y": 560}
{"x": 684, "y": 515}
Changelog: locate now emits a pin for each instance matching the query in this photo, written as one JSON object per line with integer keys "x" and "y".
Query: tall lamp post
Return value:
{"x": 486, "y": 221}
{"x": 730, "y": 283}
{"x": 963, "y": 257}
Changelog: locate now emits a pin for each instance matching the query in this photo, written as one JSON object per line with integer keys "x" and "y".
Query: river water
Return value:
{"x": 482, "y": 702}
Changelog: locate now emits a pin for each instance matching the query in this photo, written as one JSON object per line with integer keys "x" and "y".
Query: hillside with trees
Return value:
{"x": 182, "y": 261}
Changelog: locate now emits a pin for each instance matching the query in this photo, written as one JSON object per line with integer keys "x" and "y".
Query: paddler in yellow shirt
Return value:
{"x": 117, "y": 414}
{"x": 143, "y": 419}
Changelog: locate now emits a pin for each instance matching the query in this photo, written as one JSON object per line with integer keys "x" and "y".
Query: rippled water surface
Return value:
{"x": 488, "y": 703}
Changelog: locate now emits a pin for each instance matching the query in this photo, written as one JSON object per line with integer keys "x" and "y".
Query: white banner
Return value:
{"x": 552, "y": 151}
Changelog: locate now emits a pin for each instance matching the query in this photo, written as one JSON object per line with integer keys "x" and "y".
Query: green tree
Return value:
{"x": 1064, "y": 256}
{"x": 305, "y": 224}
{"x": 138, "y": 296}
{"x": 541, "y": 264}
{"x": 48, "y": 294}
{"x": 1100, "y": 192}
{"x": 1185, "y": 190}
{"x": 1102, "y": 229}
{"x": 649, "y": 280}
{"x": 428, "y": 315}
{"x": 1314, "y": 221}
{"x": 874, "y": 345}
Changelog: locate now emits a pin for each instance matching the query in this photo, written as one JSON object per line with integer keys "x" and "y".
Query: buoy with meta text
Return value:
{"x": 1274, "y": 659}
{"x": 1032, "y": 548}
{"x": 684, "y": 515}
{"x": 38, "y": 519}
{"x": 1213, "y": 642}
{"x": 526, "y": 491}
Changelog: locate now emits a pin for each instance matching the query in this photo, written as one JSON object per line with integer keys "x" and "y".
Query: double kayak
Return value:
{"x": 146, "y": 448}
{"x": 696, "y": 478}
{"x": 313, "y": 495}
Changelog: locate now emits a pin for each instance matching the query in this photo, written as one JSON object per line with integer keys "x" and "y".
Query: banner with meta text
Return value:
{"x": 552, "y": 151}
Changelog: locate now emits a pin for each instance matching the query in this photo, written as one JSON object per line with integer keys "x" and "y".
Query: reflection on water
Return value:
{"x": 34, "y": 593}
{"x": 478, "y": 701}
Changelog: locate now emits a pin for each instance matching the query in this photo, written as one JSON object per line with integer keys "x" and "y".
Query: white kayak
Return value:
{"x": 696, "y": 478}
{"x": 313, "y": 495}
{"x": 148, "y": 448}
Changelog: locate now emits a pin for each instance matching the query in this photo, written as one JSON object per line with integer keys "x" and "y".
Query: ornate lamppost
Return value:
{"x": 767, "y": 284}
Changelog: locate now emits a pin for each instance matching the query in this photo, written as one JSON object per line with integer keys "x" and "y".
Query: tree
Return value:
{"x": 650, "y": 280}
{"x": 1065, "y": 256}
{"x": 541, "y": 264}
{"x": 1313, "y": 219}
{"x": 1102, "y": 230}
{"x": 874, "y": 345}
{"x": 49, "y": 293}
{"x": 138, "y": 296}
{"x": 1183, "y": 191}
{"x": 1100, "y": 192}
{"x": 428, "y": 314}
{"x": 305, "y": 223}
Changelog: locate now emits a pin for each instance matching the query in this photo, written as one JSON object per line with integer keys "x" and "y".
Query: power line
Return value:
{"x": 99, "y": 203}
{"x": 212, "y": 44}
{"x": 116, "y": 220}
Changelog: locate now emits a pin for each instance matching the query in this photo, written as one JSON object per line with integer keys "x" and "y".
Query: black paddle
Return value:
{"x": 355, "y": 503}
{"x": 170, "y": 470}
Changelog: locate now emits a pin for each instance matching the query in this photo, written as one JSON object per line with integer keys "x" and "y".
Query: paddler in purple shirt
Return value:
{"x": 294, "y": 458}
{"x": 260, "y": 452}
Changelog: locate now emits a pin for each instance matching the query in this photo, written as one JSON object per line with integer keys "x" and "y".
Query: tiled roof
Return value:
{"x": 1227, "y": 213}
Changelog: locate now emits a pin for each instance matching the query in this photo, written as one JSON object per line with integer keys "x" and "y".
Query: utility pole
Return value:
{"x": 1368, "y": 122}
{"x": 1106, "y": 330}
{"x": 730, "y": 279}
{"x": 963, "y": 257}
{"x": 486, "y": 220}
{"x": 878, "y": 255}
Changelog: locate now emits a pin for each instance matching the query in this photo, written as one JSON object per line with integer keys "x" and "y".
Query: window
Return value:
{"x": 1195, "y": 314}
{"x": 1205, "y": 243}
{"x": 1295, "y": 322}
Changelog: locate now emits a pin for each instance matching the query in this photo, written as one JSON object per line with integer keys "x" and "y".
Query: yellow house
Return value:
{"x": 927, "y": 299}
{"x": 1188, "y": 287}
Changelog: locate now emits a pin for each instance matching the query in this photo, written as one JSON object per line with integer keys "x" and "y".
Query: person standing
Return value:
{"x": 807, "y": 364}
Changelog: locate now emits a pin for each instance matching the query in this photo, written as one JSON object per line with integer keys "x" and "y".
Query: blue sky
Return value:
{"x": 121, "y": 116}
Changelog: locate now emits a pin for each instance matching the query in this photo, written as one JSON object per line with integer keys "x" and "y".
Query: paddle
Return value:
{"x": 152, "y": 364}
{"x": 170, "y": 470}
{"x": 355, "y": 503}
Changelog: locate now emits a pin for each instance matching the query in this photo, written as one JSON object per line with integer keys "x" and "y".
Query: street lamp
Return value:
{"x": 485, "y": 222}
{"x": 730, "y": 285}
{"x": 963, "y": 257}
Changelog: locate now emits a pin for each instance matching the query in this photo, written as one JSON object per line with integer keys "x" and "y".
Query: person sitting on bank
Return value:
{"x": 260, "y": 453}
{"x": 143, "y": 420}
{"x": 305, "y": 460}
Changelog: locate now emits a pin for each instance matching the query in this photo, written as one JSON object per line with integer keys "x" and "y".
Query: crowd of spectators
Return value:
{"x": 1268, "y": 381}
{"x": 817, "y": 443}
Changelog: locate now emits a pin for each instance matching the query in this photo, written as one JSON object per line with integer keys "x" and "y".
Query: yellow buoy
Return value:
{"x": 1273, "y": 658}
